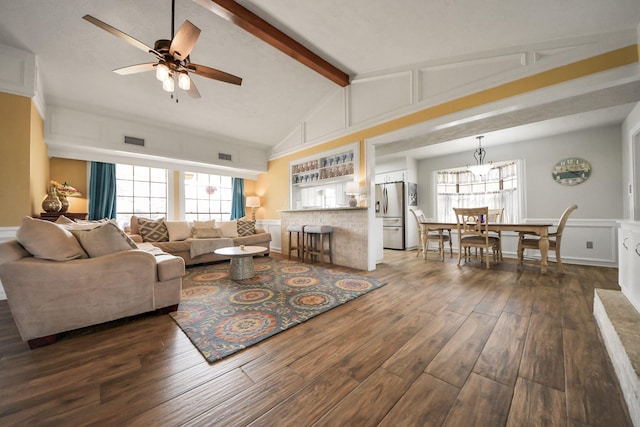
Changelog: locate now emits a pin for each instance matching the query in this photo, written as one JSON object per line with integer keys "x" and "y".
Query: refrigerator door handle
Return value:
{"x": 385, "y": 200}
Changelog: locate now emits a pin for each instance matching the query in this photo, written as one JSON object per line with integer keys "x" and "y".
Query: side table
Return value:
{"x": 241, "y": 264}
{"x": 53, "y": 216}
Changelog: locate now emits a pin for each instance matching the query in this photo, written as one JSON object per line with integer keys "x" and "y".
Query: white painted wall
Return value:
{"x": 81, "y": 135}
{"x": 599, "y": 199}
{"x": 631, "y": 165}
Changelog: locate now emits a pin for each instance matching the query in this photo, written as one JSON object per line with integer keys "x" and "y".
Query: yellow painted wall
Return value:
{"x": 74, "y": 173}
{"x": 39, "y": 162}
{"x": 15, "y": 159}
{"x": 274, "y": 184}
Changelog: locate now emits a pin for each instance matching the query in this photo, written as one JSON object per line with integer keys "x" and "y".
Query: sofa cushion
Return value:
{"x": 104, "y": 239}
{"x": 228, "y": 228}
{"x": 133, "y": 225}
{"x": 153, "y": 230}
{"x": 178, "y": 230}
{"x": 246, "y": 227}
{"x": 254, "y": 239}
{"x": 47, "y": 240}
{"x": 174, "y": 247}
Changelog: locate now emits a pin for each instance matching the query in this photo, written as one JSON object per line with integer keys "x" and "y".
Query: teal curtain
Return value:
{"x": 237, "y": 203}
{"x": 102, "y": 191}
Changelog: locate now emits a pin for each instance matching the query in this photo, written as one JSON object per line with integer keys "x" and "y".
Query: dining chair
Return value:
{"x": 431, "y": 235}
{"x": 530, "y": 241}
{"x": 495, "y": 215}
{"x": 473, "y": 232}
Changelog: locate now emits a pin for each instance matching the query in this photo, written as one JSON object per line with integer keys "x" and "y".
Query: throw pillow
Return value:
{"x": 47, "y": 240}
{"x": 178, "y": 230}
{"x": 64, "y": 220}
{"x": 80, "y": 225}
{"x": 153, "y": 230}
{"x": 246, "y": 227}
{"x": 210, "y": 223}
{"x": 228, "y": 228}
{"x": 104, "y": 239}
{"x": 206, "y": 233}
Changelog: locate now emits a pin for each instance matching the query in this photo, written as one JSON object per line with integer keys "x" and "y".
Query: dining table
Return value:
{"x": 541, "y": 230}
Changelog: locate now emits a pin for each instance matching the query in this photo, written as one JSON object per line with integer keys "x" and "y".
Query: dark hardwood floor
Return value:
{"x": 439, "y": 345}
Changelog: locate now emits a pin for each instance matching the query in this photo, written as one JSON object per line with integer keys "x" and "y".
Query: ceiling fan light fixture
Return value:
{"x": 168, "y": 85}
{"x": 184, "y": 82}
{"x": 162, "y": 72}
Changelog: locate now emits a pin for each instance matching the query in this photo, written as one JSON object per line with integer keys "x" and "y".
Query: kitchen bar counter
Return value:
{"x": 350, "y": 232}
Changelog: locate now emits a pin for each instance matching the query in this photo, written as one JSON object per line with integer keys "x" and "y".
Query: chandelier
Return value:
{"x": 480, "y": 168}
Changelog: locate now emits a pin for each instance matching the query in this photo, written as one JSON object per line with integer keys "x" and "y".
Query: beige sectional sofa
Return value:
{"x": 58, "y": 280}
{"x": 195, "y": 242}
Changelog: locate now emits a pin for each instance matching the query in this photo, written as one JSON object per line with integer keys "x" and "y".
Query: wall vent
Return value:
{"x": 134, "y": 141}
{"x": 223, "y": 156}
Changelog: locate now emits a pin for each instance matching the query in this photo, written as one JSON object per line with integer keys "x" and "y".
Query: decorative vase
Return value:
{"x": 51, "y": 203}
{"x": 64, "y": 202}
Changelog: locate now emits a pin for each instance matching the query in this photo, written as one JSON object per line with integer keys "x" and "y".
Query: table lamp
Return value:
{"x": 352, "y": 189}
{"x": 253, "y": 202}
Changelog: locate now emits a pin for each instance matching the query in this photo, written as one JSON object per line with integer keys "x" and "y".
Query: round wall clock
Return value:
{"x": 571, "y": 171}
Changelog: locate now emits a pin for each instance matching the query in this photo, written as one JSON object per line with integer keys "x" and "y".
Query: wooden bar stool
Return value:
{"x": 299, "y": 241}
{"x": 315, "y": 241}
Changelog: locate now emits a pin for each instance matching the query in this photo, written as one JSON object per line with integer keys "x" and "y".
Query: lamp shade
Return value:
{"x": 352, "y": 188}
{"x": 253, "y": 202}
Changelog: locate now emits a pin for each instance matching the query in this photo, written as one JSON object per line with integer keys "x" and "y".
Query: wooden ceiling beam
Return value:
{"x": 249, "y": 21}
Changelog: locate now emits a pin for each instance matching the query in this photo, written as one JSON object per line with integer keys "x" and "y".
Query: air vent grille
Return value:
{"x": 134, "y": 141}
{"x": 223, "y": 156}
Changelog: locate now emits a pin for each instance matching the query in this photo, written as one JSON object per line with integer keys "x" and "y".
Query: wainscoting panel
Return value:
{"x": 602, "y": 233}
{"x": 272, "y": 226}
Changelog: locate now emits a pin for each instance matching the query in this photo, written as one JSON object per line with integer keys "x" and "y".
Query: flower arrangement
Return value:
{"x": 65, "y": 189}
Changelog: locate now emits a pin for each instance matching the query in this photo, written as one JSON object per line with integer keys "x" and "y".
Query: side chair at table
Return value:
{"x": 528, "y": 241}
{"x": 495, "y": 215}
{"x": 431, "y": 235}
{"x": 473, "y": 232}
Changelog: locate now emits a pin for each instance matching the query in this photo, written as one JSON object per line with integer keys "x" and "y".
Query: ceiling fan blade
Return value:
{"x": 193, "y": 90}
{"x": 184, "y": 40}
{"x": 212, "y": 73}
{"x": 133, "y": 69}
{"x": 133, "y": 42}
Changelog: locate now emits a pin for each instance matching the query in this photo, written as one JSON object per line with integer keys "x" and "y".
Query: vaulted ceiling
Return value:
{"x": 360, "y": 37}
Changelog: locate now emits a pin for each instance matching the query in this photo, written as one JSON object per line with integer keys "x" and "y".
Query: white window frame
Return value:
{"x": 520, "y": 186}
{"x": 169, "y": 195}
{"x": 182, "y": 201}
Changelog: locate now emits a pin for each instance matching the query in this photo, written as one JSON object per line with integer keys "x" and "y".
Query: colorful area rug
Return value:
{"x": 222, "y": 316}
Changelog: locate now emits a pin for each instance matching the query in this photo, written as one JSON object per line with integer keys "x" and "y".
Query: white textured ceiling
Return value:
{"x": 359, "y": 36}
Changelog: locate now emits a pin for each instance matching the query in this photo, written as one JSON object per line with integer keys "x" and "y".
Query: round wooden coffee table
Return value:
{"x": 241, "y": 266}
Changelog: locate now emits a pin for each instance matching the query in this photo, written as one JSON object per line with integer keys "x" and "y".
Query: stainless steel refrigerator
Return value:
{"x": 390, "y": 207}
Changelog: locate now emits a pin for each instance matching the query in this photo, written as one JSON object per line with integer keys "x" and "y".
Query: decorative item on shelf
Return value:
{"x": 480, "y": 168}
{"x": 51, "y": 203}
{"x": 63, "y": 191}
{"x": 253, "y": 202}
{"x": 352, "y": 189}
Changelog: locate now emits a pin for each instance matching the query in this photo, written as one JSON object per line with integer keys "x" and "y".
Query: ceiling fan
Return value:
{"x": 173, "y": 57}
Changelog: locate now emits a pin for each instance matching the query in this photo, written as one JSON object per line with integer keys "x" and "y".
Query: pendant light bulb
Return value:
{"x": 162, "y": 72}
{"x": 184, "y": 82}
{"x": 168, "y": 84}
